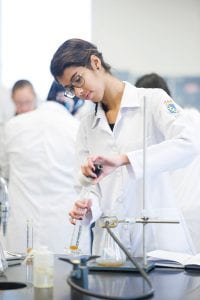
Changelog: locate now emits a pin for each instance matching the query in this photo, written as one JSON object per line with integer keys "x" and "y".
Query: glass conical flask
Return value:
{"x": 111, "y": 254}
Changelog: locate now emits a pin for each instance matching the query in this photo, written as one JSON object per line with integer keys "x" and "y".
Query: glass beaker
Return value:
{"x": 111, "y": 254}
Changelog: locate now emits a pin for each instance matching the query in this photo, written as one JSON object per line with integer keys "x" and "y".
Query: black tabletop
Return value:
{"x": 169, "y": 284}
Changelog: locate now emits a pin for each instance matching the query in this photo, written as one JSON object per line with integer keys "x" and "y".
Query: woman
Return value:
{"x": 112, "y": 136}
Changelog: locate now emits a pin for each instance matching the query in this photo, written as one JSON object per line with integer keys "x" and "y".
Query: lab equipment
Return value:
{"x": 4, "y": 205}
{"x": 145, "y": 219}
{"x": 4, "y": 213}
{"x": 29, "y": 235}
{"x": 75, "y": 239}
{"x": 43, "y": 268}
{"x": 29, "y": 252}
{"x": 78, "y": 279}
{"x": 74, "y": 248}
{"x": 113, "y": 221}
{"x": 98, "y": 169}
{"x": 111, "y": 255}
{"x": 3, "y": 261}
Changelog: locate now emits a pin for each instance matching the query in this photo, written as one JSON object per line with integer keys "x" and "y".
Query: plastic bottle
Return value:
{"x": 43, "y": 268}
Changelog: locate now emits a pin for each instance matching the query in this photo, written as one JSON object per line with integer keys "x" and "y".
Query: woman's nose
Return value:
{"x": 78, "y": 92}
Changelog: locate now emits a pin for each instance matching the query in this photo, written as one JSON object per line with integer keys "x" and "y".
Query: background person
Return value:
{"x": 185, "y": 180}
{"x": 38, "y": 159}
{"x": 152, "y": 80}
{"x": 77, "y": 107}
{"x": 23, "y": 96}
{"x": 24, "y": 99}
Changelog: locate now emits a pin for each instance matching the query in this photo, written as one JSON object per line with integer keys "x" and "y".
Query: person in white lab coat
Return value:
{"x": 187, "y": 189}
{"x": 77, "y": 107}
{"x": 113, "y": 136}
{"x": 38, "y": 160}
{"x": 184, "y": 180}
{"x": 23, "y": 96}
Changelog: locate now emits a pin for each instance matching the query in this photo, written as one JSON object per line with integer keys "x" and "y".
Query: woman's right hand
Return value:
{"x": 79, "y": 210}
{"x": 109, "y": 164}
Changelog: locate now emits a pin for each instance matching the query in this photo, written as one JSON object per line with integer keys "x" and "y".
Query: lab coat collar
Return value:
{"x": 130, "y": 98}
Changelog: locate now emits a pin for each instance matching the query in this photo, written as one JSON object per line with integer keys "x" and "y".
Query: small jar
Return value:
{"x": 43, "y": 268}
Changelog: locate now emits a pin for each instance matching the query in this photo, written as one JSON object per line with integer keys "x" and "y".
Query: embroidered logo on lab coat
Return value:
{"x": 172, "y": 108}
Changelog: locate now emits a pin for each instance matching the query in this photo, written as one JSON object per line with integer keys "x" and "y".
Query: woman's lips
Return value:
{"x": 88, "y": 96}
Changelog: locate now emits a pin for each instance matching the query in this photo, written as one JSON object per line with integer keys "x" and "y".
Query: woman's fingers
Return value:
{"x": 77, "y": 214}
{"x": 88, "y": 171}
{"x": 79, "y": 210}
{"x": 81, "y": 203}
{"x": 72, "y": 221}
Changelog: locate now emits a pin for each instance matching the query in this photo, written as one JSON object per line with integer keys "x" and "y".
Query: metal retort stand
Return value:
{"x": 145, "y": 220}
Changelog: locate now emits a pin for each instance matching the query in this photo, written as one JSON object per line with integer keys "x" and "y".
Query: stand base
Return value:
{"x": 127, "y": 267}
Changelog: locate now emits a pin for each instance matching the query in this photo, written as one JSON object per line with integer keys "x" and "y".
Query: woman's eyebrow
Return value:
{"x": 68, "y": 85}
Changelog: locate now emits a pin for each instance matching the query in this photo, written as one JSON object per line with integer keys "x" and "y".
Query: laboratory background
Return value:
{"x": 136, "y": 28}
{"x": 38, "y": 189}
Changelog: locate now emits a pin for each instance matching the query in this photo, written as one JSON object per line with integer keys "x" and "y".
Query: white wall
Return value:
{"x": 32, "y": 31}
{"x": 149, "y": 35}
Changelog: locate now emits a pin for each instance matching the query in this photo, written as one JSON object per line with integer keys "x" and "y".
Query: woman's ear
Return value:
{"x": 95, "y": 62}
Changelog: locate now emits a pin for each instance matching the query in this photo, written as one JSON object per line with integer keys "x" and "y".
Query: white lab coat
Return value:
{"x": 171, "y": 145}
{"x": 40, "y": 160}
{"x": 187, "y": 189}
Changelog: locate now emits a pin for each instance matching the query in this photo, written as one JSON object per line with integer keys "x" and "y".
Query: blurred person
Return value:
{"x": 152, "y": 80}
{"x": 23, "y": 96}
{"x": 112, "y": 135}
{"x": 187, "y": 189}
{"x": 6, "y": 110}
{"x": 77, "y": 106}
{"x": 38, "y": 159}
{"x": 185, "y": 180}
{"x": 21, "y": 100}
{"x": 6, "y": 105}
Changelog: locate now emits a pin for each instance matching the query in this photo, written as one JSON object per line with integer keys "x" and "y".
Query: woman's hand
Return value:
{"x": 79, "y": 210}
{"x": 109, "y": 165}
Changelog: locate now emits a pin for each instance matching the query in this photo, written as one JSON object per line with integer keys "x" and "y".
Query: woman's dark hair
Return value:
{"x": 152, "y": 80}
{"x": 21, "y": 84}
{"x": 75, "y": 52}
